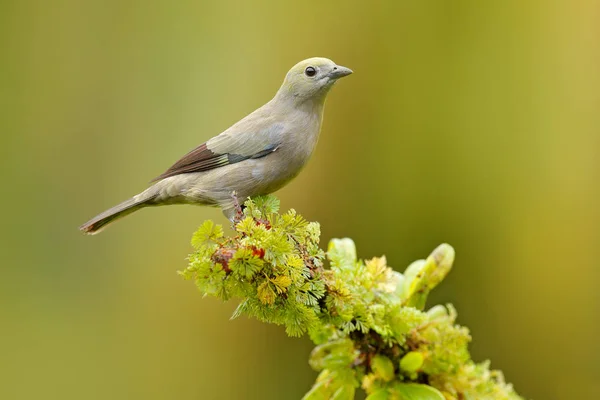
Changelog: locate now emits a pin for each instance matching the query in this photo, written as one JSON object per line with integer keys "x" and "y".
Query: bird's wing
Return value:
{"x": 229, "y": 147}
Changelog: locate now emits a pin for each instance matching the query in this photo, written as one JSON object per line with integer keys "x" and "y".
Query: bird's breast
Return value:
{"x": 284, "y": 164}
{"x": 298, "y": 144}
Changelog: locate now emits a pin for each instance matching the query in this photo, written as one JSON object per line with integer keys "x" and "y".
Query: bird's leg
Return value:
{"x": 238, "y": 208}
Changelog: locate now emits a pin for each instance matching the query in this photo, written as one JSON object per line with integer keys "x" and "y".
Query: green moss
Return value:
{"x": 367, "y": 321}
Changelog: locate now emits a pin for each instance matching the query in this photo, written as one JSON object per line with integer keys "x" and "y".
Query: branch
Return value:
{"x": 367, "y": 321}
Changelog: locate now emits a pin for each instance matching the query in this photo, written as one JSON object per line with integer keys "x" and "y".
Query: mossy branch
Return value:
{"x": 367, "y": 321}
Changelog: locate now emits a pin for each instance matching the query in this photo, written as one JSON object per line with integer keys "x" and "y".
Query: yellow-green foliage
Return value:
{"x": 367, "y": 320}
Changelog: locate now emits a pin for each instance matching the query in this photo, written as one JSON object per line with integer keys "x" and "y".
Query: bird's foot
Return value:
{"x": 238, "y": 209}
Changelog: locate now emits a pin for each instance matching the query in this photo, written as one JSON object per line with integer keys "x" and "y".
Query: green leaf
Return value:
{"x": 245, "y": 263}
{"x": 240, "y": 309}
{"x": 443, "y": 258}
{"x": 266, "y": 204}
{"x": 246, "y": 226}
{"x": 277, "y": 248}
{"x": 313, "y": 231}
{"x": 377, "y": 267}
{"x": 383, "y": 367}
{"x": 416, "y": 391}
{"x": 281, "y": 283}
{"x": 265, "y": 294}
{"x": 344, "y": 392}
{"x": 251, "y": 210}
{"x": 207, "y": 235}
{"x": 295, "y": 266}
{"x": 332, "y": 355}
{"x": 317, "y": 392}
{"x": 342, "y": 253}
{"x": 437, "y": 312}
{"x": 422, "y": 276}
{"x": 411, "y": 362}
{"x": 380, "y": 394}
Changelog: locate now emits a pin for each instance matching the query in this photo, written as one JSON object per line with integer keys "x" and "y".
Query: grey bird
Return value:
{"x": 256, "y": 156}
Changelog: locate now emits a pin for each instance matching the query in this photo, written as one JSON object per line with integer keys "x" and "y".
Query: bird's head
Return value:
{"x": 311, "y": 79}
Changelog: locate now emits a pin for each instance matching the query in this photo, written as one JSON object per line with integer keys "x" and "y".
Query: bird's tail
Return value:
{"x": 99, "y": 222}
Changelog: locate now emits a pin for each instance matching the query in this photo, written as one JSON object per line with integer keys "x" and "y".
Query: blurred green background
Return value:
{"x": 467, "y": 122}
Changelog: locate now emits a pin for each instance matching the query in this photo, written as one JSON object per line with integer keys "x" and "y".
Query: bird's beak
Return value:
{"x": 339, "y": 72}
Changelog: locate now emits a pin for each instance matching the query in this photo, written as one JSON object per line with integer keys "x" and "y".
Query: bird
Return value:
{"x": 257, "y": 155}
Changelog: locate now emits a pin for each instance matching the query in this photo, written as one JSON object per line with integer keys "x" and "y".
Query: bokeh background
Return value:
{"x": 467, "y": 122}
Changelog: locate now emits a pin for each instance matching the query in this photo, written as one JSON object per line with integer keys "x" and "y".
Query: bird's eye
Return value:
{"x": 310, "y": 71}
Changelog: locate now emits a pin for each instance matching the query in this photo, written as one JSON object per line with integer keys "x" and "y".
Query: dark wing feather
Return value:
{"x": 203, "y": 159}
